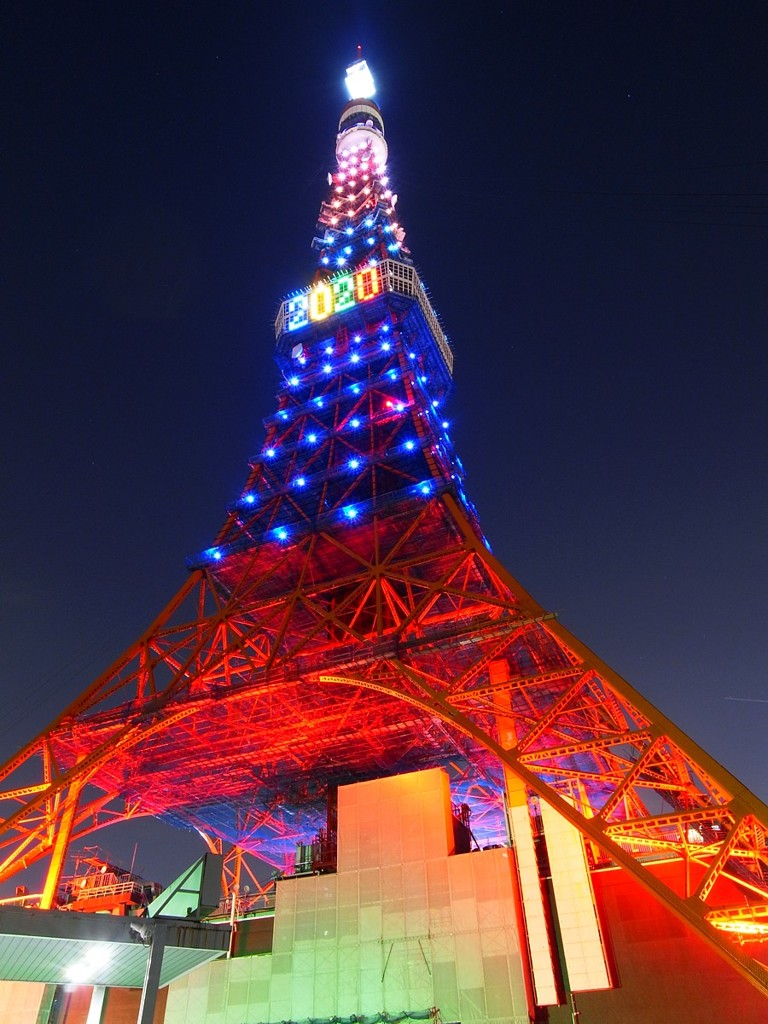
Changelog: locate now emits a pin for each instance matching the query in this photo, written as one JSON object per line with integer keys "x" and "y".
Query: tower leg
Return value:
{"x": 60, "y": 846}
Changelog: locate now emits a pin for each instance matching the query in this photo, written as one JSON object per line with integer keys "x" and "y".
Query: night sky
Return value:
{"x": 584, "y": 191}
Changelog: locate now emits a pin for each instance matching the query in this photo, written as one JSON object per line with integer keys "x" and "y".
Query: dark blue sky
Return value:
{"x": 585, "y": 190}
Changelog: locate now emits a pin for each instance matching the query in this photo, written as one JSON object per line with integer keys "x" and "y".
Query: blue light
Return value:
{"x": 393, "y": 247}
{"x": 293, "y": 381}
{"x": 312, "y": 438}
{"x": 325, "y": 260}
{"x": 283, "y": 414}
{"x": 347, "y": 250}
{"x": 411, "y": 355}
{"x": 445, "y": 424}
{"x": 357, "y": 339}
{"x": 350, "y": 512}
{"x": 327, "y": 368}
{"x": 281, "y": 533}
{"x": 387, "y": 228}
{"x": 424, "y": 488}
{"x": 216, "y": 554}
{"x": 423, "y": 380}
{"x": 354, "y": 423}
{"x": 355, "y": 389}
{"x": 354, "y": 463}
{"x": 300, "y": 481}
{"x": 249, "y": 499}
{"x": 392, "y": 374}
{"x": 349, "y": 231}
{"x": 435, "y": 403}
{"x": 368, "y": 222}
{"x": 319, "y": 403}
{"x": 400, "y": 407}
{"x": 341, "y": 261}
{"x": 370, "y": 241}
{"x": 410, "y": 445}
{"x": 270, "y": 453}
{"x": 329, "y": 350}
{"x": 355, "y": 358}
{"x": 385, "y": 328}
{"x": 386, "y": 346}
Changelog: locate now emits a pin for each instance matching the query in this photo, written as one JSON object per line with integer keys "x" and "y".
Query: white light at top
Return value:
{"x": 359, "y": 81}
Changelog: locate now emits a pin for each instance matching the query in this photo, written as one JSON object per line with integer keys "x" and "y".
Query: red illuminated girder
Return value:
{"x": 341, "y": 678}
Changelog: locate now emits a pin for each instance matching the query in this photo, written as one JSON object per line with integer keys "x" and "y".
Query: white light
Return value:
{"x": 87, "y": 968}
{"x": 359, "y": 81}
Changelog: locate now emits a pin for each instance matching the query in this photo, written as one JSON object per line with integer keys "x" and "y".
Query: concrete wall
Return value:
{"x": 666, "y": 972}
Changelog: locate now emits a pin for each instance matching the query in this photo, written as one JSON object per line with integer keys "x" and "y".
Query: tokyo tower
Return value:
{"x": 349, "y": 622}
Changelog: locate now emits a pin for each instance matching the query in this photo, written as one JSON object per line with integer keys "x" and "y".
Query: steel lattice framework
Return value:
{"x": 350, "y": 621}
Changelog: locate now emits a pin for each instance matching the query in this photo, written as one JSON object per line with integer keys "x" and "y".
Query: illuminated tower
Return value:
{"x": 349, "y": 622}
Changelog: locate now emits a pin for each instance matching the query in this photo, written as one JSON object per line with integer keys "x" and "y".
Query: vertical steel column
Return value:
{"x": 152, "y": 975}
{"x": 61, "y": 845}
{"x": 96, "y": 1007}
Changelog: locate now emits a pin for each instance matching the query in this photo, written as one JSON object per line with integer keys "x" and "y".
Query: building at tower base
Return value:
{"x": 409, "y": 929}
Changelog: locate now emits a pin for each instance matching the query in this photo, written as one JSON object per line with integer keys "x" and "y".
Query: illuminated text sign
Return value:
{"x": 333, "y": 296}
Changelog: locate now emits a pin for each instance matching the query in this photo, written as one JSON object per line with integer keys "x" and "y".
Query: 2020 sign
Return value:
{"x": 332, "y": 296}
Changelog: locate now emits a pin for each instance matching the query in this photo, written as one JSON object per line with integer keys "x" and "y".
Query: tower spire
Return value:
{"x": 357, "y": 222}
